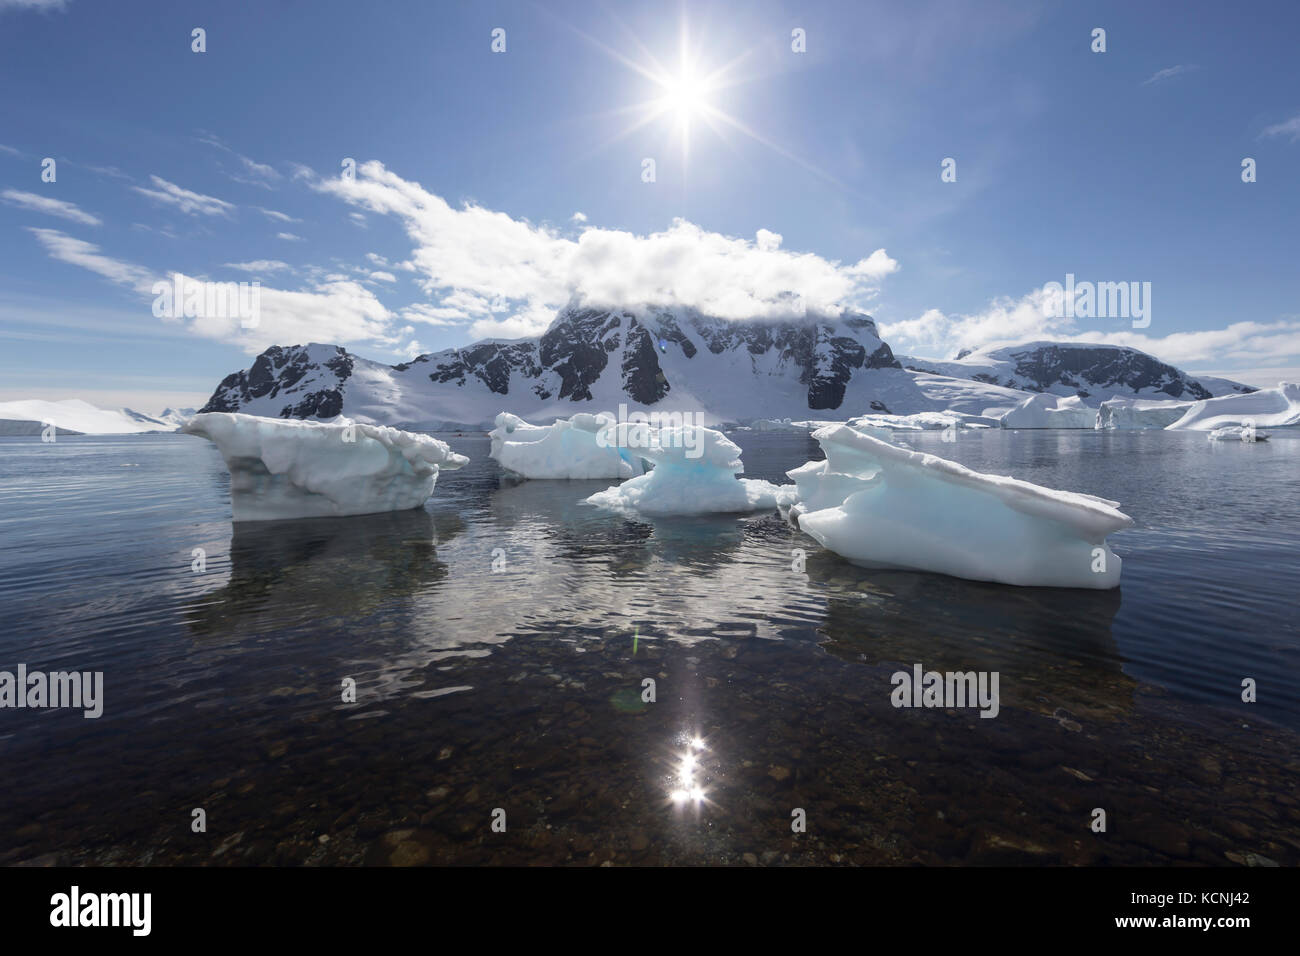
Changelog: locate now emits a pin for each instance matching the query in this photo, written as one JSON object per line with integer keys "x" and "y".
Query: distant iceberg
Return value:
{"x": 879, "y": 505}
{"x": 583, "y": 446}
{"x": 1046, "y": 410}
{"x": 1268, "y": 407}
{"x": 1244, "y": 433}
{"x": 286, "y": 468}
{"x": 1139, "y": 413}
{"x": 695, "y": 471}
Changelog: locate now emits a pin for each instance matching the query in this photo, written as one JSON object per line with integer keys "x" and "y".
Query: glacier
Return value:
{"x": 583, "y": 446}
{"x": 284, "y": 468}
{"x": 74, "y": 415}
{"x": 1268, "y": 407}
{"x": 882, "y": 506}
{"x": 694, "y": 472}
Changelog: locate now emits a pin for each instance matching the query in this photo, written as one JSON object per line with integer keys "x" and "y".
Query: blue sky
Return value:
{"x": 813, "y": 172}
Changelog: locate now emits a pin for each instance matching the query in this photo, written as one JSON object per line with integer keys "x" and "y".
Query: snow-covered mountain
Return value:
{"x": 596, "y": 359}
{"x": 73, "y": 416}
{"x": 1094, "y": 373}
{"x": 826, "y": 367}
{"x": 176, "y": 417}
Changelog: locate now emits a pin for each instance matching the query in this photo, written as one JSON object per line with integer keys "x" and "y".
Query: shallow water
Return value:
{"x": 499, "y": 640}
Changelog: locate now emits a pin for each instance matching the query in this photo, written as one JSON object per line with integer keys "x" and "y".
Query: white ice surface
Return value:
{"x": 1237, "y": 433}
{"x": 75, "y": 415}
{"x": 577, "y": 447}
{"x": 695, "y": 471}
{"x": 1046, "y": 410}
{"x": 1269, "y": 407}
{"x": 285, "y": 468}
{"x": 1139, "y": 413}
{"x": 883, "y": 506}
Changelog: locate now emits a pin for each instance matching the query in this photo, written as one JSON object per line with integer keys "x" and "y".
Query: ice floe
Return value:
{"x": 694, "y": 472}
{"x": 286, "y": 468}
{"x": 584, "y": 446}
{"x": 1246, "y": 433}
{"x": 879, "y": 505}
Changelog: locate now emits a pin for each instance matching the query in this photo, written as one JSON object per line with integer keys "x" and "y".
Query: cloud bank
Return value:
{"x": 507, "y": 276}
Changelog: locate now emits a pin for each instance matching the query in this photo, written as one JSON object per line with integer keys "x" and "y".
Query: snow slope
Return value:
{"x": 75, "y": 415}
{"x": 904, "y": 509}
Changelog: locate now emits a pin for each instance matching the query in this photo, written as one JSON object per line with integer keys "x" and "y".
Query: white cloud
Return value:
{"x": 277, "y": 216}
{"x": 579, "y": 217}
{"x": 383, "y": 276}
{"x": 1004, "y": 321}
{"x": 261, "y": 174}
{"x": 49, "y": 206}
{"x": 412, "y": 349}
{"x": 1267, "y": 377}
{"x": 1011, "y": 321}
{"x": 1169, "y": 73}
{"x": 377, "y": 259}
{"x": 1289, "y": 127}
{"x": 33, "y": 4}
{"x": 184, "y": 199}
{"x": 337, "y": 309}
{"x": 489, "y": 255}
{"x": 260, "y": 265}
{"x": 78, "y": 252}
{"x": 289, "y": 236}
{"x": 440, "y": 317}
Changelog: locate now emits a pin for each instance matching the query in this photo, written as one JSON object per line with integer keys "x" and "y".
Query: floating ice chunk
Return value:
{"x": 1268, "y": 407}
{"x": 782, "y": 425}
{"x": 1244, "y": 433}
{"x": 904, "y": 509}
{"x": 695, "y": 471}
{"x": 1139, "y": 413}
{"x": 285, "y": 468}
{"x": 583, "y": 446}
{"x": 1045, "y": 410}
{"x": 883, "y": 425}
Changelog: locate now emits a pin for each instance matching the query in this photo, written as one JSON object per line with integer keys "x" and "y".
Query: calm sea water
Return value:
{"x": 500, "y": 639}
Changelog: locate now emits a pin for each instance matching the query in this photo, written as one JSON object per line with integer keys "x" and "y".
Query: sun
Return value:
{"x": 698, "y": 92}
{"x": 685, "y": 97}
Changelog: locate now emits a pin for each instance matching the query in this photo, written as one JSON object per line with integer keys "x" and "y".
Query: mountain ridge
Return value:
{"x": 726, "y": 370}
